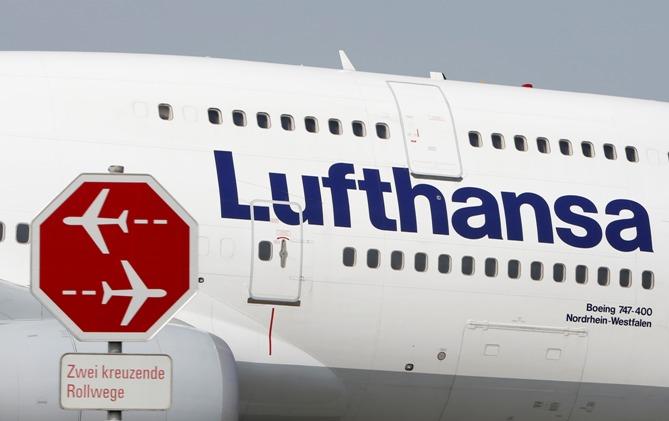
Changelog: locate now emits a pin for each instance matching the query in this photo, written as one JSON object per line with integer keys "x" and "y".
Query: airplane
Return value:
{"x": 138, "y": 292}
{"x": 372, "y": 246}
{"x": 91, "y": 221}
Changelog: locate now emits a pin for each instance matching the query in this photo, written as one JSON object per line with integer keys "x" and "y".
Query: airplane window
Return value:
{"x": 335, "y": 126}
{"x": 475, "y": 139}
{"x": 625, "y": 278}
{"x": 536, "y": 271}
{"x": 647, "y": 279}
{"x": 311, "y": 124}
{"x": 397, "y": 260}
{"x": 490, "y": 267}
{"x": 358, "y": 128}
{"x": 382, "y": 131}
{"x": 265, "y": 251}
{"x": 610, "y": 151}
{"x": 373, "y": 260}
{"x": 349, "y": 256}
{"x": 2, "y": 231}
{"x": 565, "y": 147}
{"x": 444, "y": 263}
{"x": 559, "y": 272}
{"x": 543, "y": 145}
{"x": 23, "y": 233}
{"x": 497, "y": 141}
{"x": 165, "y": 111}
{"x": 514, "y": 269}
{"x": 521, "y": 143}
{"x": 587, "y": 149}
{"x": 263, "y": 120}
{"x": 581, "y": 274}
{"x": 215, "y": 116}
{"x": 287, "y": 122}
{"x": 420, "y": 262}
{"x": 631, "y": 154}
{"x": 603, "y": 276}
{"x": 468, "y": 265}
{"x": 239, "y": 118}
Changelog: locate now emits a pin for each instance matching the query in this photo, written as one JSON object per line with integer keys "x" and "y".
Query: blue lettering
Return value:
{"x": 489, "y": 209}
{"x": 376, "y": 205}
{"x": 406, "y": 196}
{"x": 639, "y": 221}
{"x": 227, "y": 190}
{"x": 313, "y": 209}
{"x": 339, "y": 186}
{"x": 593, "y": 232}
{"x": 514, "y": 224}
{"x": 474, "y": 220}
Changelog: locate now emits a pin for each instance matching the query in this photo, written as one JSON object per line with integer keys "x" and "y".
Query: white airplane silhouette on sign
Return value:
{"x": 91, "y": 221}
{"x": 138, "y": 291}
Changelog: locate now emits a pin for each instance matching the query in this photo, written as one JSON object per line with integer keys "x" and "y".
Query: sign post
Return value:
{"x": 113, "y": 347}
{"x": 113, "y": 257}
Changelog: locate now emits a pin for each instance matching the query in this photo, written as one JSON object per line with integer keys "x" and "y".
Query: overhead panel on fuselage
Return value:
{"x": 429, "y": 135}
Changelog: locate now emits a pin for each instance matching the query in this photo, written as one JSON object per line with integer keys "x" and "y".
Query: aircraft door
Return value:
{"x": 429, "y": 135}
{"x": 277, "y": 253}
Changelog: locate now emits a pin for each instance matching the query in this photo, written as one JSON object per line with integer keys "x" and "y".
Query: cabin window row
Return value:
{"x": 397, "y": 260}
{"x": 22, "y": 233}
{"x": 311, "y": 124}
{"x": 491, "y": 268}
{"x": 543, "y": 145}
{"x": 264, "y": 121}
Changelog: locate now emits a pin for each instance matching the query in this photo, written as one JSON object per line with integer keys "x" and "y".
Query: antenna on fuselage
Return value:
{"x": 345, "y": 62}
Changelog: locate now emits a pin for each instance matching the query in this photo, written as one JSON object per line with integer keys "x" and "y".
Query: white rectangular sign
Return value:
{"x": 115, "y": 381}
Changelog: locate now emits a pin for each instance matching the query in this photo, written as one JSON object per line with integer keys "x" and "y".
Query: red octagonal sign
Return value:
{"x": 114, "y": 257}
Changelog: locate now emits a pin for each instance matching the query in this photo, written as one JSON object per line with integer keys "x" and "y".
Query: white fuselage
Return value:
{"x": 442, "y": 328}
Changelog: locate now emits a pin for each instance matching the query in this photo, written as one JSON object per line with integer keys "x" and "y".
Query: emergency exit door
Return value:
{"x": 429, "y": 135}
{"x": 277, "y": 252}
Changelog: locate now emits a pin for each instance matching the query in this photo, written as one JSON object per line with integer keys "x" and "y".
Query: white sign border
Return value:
{"x": 56, "y": 310}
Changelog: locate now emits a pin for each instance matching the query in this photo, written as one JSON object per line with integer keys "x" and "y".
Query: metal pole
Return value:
{"x": 114, "y": 416}
{"x": 115, "y": 347}
{"x": 116, "y": 169}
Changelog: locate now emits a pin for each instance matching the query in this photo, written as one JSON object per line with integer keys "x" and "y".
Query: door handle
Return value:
{"x": 283, "y": 253}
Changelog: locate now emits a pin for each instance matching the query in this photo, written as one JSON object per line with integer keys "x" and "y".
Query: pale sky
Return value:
{"x": 614, "y": 47}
